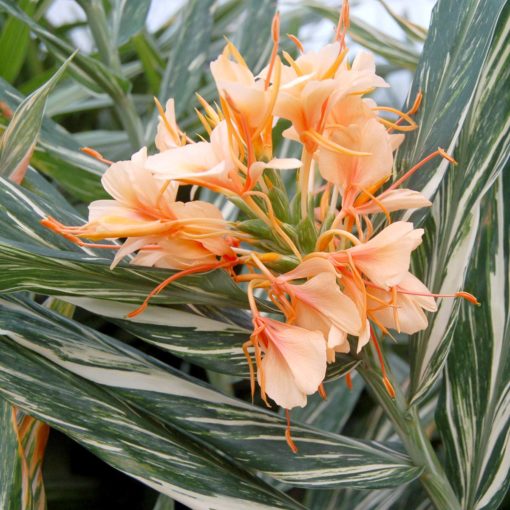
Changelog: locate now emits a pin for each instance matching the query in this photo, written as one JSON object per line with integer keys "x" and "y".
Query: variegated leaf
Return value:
{"x": 452, "y": 61}
{"x": 474, "y": 412}
{"x": 22, "y": 444}
{"x": 250, "y": 435}
{"x": 482, "y": 153}
{"x": 58, "y": 155}
{"x": 158, "y": 455}
{"x": 19, "y": 139}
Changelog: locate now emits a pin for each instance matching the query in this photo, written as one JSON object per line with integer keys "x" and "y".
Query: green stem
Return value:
{"x": 304, "y": 178}
{"x": 408, "y": 426}
{"x": 107, "y": 49}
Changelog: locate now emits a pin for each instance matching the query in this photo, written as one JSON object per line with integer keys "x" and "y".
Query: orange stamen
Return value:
{"x": 468, "y": 297}
{"x": 343, "y": 24}
{"x": 275, "y": 33}
{"x": 386, "y": 381}
{"x": 297, "y": 42}
{"x": 322, "y": 392}
{"x": 192, "y": 270}
{"x": 461, "y": 294}
{"x": 348, "y": 380}
{"x": 95, "y": 154}
{"x": 288, "y": 436}
{"x": 439, "y": 152}
{"x": 162, "y": 114}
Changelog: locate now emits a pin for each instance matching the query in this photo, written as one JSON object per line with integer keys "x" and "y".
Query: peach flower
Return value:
{"x": 294, "y": 362}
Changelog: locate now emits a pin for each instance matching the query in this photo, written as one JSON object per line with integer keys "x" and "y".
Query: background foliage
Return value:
{"x": 163, "y": 399}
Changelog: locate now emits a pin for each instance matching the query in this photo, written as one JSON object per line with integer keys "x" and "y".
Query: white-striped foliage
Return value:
{"x": 250, "y": 435}
{"x": 474, "y": 412}
{"x": 459, "y": 110}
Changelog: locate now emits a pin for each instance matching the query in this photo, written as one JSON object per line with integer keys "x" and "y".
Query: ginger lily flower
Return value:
{"x": 319, "y": 303}
{"x": 405, "y": 313}
{"x": 357, "y": 173}
{"x": 384, "y": 259}
{"x": 144, "y": 211}
{"x": 312, "y": 84}
{"x": 294, "y": 361}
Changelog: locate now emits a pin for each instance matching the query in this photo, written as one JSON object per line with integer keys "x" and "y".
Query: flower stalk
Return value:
{"x": 408, "y": 426}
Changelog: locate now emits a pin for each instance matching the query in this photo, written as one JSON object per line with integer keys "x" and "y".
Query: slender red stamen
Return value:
{"x": 275, "y": 33}
{"x": 322, "y": 392}
{"x": 297, "y": 42}
{"x": 348, "y": 380}
{"x": 95, "y": 154}
{"x": 288, "y": 436}
{"x": 461, "y": 294}
{"x": 439, "y": 152}
{"x": 343, "y": 24}
{"x": 192, "y": 270}
{"x": 386, "y": 381}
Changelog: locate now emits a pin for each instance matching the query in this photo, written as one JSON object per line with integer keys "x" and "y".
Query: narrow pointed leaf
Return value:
{"x": 58, "y": 155}
{"x": 474, "y": 415}
{"x": 20, "y": 137}
{"x": 127, "y": 19}
{"x": 85, "y": 69}
{"x": 482, "y": 153}
{"x": 157, "y": 455}
{"x": 453, "y": 57}
{"x": 250, "y": 435}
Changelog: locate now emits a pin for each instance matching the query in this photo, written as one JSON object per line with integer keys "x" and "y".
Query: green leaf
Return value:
{"x": 14, "y": 42}
{"x": 58, "y": 155}
{"x": 85, "y": 69}
{"x": 10, "y": 461}
{"x": 187, "y": 59}
{"x": 253, "y": 38}
{"x": 332, "y": 413}
{"x": 158, "y": 455}
{"x": 20, "y": 137}
{"x": 22, "y": 444}
{"x": 412, "y": 30}
{"x": 127, "y": 19}
{"x": 252, "y": 436}
{"x": 482, "y": 152}
{"x": 452, "y": 61}
{"x": 473, "y": 414}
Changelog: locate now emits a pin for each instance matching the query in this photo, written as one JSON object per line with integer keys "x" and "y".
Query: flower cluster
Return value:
{"x": 329, "y": 260}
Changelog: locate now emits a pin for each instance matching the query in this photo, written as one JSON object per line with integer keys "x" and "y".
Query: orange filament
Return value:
{"x": 162, "y": 114}
{"x": 203, "y": 121}
{"x": 468, "y": 297}
{"x": 461, "y": 294}
{"x": 322, "y": 392}
{"x": 5, "y": 110}
{"x": 95, "y": 154}
{"x": 330, "y": 73}
{"x": 343, "y": 24}
{"x": 348, "y": 380}
{"x": 414, "y": 108}
{"x": 439, "y": 152}
{"x": 275, "y": 33}
{"x": 52, "y": 224}
{"x": 297, "y": 42}
{"x": 288, "y": 436}
{"x": 321, "y": 140}
{"x": 198, "y": 269}
{"x": 386, "y": 381}
{"x": 250, "y": 367}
